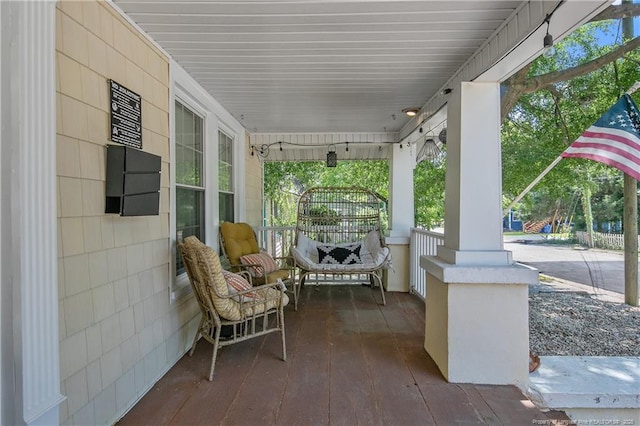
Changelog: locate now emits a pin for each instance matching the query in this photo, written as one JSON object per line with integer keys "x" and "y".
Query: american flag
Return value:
{"x": 613, "y": 140}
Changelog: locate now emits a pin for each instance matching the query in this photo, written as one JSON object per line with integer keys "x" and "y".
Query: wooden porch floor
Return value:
{"x": 350, "y": 362}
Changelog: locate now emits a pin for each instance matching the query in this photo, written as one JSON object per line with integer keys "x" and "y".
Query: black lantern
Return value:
{"x": 332, "y": 159}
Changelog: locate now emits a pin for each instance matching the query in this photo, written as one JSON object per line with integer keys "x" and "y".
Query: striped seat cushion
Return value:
{"x": 264, "y": 261}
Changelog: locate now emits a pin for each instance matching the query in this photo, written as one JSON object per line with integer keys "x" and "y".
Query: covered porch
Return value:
{"x": 350, "y": 361}
{"x": 95, "y": 309}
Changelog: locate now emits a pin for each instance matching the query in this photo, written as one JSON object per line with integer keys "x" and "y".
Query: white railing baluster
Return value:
{"x": 422, "y": 243}
{"x": 276, "y": 240}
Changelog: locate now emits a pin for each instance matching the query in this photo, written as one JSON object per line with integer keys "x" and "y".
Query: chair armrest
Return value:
{"x": 258, "y": 269}
{"x": 255, "y": 290}
{"x": 246, "y": 275}
{"x": 301, "y": 260}
{"x": 283, "y": 261}
{"x": 260, "y": 295}
{"x": 275, "y": 286}
{"x": 286, "y": 262}
{"x": 246, "y": 267}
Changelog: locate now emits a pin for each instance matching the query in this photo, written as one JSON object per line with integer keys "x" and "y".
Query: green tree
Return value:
{"x": 545, "y": 106}
{"x": 285, "y": 181}
{"x": 549, "y": 103}
{"x": 428, "y": 187}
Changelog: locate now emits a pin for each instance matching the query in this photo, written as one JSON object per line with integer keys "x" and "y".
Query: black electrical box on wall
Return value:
{"x": 133, "y": 182}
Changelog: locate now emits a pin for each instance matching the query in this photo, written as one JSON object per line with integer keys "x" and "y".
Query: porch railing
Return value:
{"x": 422, "y": 243}
{"x": 277, "y": 241}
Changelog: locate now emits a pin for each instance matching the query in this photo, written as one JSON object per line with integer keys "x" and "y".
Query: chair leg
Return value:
{"x": 379, "y": 280}
{"x": 295, "y": 293}
{"x": 195, "y": 338}
{"x": 215, "y": 353}
{"x": 284, "y": 343}
{"x": 301, "y": 278}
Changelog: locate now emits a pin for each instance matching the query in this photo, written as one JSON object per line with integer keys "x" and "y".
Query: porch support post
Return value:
{"x": 29, "y": 295}
{"x": 476, "y": 326}
{"x": 401, "y": 215}
{"x": 403, "y": 162}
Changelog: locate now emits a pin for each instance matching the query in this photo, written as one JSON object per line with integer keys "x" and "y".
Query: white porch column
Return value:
{"x": 401, "y": 215}
{"x": 30, "y": 355}
{"x": 476, "y": 326}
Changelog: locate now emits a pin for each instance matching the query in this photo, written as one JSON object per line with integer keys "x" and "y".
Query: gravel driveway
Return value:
{"x": 578, "y": 309}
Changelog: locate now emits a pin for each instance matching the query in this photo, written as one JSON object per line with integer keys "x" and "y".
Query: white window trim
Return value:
{"x": 189, "y": 94}
{"x": 238, "y": 136}
{"x": 234, "y": 174}
{"x": 187, "y": 91}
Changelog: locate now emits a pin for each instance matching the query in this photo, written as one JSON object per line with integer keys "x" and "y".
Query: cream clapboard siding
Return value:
{"x": 253, "y": 185}
{"x": 118, "y": 331}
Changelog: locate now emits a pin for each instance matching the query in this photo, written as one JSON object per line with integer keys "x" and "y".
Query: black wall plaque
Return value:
{"x": 126, "y": 115}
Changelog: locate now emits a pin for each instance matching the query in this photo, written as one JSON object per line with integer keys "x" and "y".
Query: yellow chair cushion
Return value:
{"x": 239, "y": 240}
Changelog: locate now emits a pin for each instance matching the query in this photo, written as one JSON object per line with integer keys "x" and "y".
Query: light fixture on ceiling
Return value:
{"x": 262, "y": 151}
{"x": 431, "y": 151}
{"x": 332, "y": 157}
{"x": 547, "y": 42}
{"x": 411, "y": 112}
{"x": 442, "y": 136}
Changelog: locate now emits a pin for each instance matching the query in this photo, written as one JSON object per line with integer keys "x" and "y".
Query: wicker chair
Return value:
{"x": 249, "y": 312}
{"x": 237, "y": 240}
{"x": 334, "y": 221}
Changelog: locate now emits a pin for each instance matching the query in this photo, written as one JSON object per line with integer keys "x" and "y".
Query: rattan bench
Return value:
{"x": 338, "y": 231}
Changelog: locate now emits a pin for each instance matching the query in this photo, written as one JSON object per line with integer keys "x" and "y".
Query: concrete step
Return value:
{"x": 591, "y": 390}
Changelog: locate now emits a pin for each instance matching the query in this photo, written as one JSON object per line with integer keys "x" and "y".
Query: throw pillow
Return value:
{"x": 371, "y": 247}
{"x": 307, "y": 247}
{"x": 342, "y": 255}
{"x": 372, "y": 241}
{"x": 236, "y": 283}
{"x": 264, "y": 264}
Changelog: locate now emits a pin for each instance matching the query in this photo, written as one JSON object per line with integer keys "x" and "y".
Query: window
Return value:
{"x": 204, "y": 137}
{"x": 225, "y": 177}
{"x": 189, "y": 175}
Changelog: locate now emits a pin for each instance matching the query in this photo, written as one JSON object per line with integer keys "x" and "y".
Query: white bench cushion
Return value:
{"x": 372, "y": 254}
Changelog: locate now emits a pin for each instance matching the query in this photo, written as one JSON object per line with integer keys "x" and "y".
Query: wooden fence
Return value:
{"x": 602, "y": 240}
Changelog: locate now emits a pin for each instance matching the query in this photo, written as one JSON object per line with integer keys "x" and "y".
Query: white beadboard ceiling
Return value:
{"x": 325, "y": 66}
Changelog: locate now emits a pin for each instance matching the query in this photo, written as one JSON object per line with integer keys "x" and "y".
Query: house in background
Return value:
{"x": 95, "y": 307}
